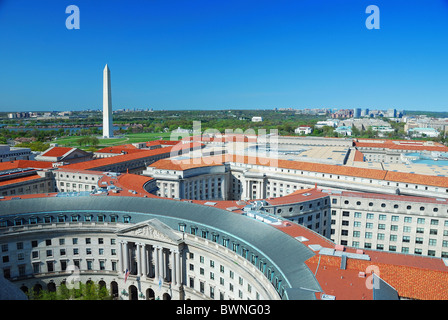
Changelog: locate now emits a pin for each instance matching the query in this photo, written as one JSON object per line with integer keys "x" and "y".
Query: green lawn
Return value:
{"x": 125, "y": 139}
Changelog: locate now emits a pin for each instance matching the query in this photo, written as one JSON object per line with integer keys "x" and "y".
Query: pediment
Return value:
{"x": 153, "y": 230}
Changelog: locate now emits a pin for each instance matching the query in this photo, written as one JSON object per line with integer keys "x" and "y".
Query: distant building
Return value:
{"x": 303, "y": 130}
{"x": 329, "y": 123}
{"x": 181, "y": 130}
{"x": 257, "y": 119}
{"x": 383, "y": 130}
{"x": 200, "y": 181}
{"x": 63, "y": 154}
{"x": 10, "y": 154}
{"x": 357, "y": 113}
{"x": 391, "y": 113}
{"x": 423, "y": 132}
{"x": 25, "y": 177}
{"x": 344, "y": 131}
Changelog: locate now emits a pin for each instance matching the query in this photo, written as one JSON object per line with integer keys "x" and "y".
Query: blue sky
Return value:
{"x": 219, "y": 54}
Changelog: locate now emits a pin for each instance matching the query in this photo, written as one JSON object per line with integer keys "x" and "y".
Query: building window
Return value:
{"x": 50, "y": 266}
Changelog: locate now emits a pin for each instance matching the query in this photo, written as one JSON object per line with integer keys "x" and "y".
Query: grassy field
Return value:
{"x": 128, "y": 138}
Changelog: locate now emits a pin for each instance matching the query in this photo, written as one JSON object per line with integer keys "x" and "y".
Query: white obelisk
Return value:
{"x": 108, "y": 131}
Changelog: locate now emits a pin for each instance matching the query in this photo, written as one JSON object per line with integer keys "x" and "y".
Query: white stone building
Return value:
{"x": 195, "y": 181}
{"x": 8, "y": 153}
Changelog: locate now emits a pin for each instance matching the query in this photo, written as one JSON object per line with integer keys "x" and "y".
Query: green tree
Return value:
{"x": 88, "y": 291}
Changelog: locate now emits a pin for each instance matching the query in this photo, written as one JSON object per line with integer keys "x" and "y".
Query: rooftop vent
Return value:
{"x": 315, "y": 247}
{"x": 301, "y": 238}
{"x": 445, "y": 261}
{"x": 343, "y": 262}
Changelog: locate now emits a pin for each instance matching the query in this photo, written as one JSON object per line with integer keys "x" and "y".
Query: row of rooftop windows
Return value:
{"x": 384, "y": 205}
{"x": 395, "y": 218}
{"x": 19, "y": 221}
{"x": 393, "y": 248}
{"x": 243, "y": 251}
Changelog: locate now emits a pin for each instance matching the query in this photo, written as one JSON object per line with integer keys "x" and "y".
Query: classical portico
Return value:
{"x": 153, "y": 254}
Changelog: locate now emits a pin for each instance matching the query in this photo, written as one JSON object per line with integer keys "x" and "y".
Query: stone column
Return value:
{"x": 181, "y": 267}
{"x": 156, "y": 262}
{"x": 163, "y": 264}
{"x": 177, "y": 274}
{"x": 120, "y": 256}
{"x": 150, "y": 260}
{"x": 139, "y": 258}
{"x": 203, "y": 189}
{"x": 160, "y": 266}
{"x": 171, "y": 264}
{"x": 144, "y": 260}
{"x": 125, "y": 256}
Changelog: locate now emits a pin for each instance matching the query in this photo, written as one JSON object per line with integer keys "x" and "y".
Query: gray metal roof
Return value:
{"x": 284, "y": 252}
{"x": 9, "y": 291}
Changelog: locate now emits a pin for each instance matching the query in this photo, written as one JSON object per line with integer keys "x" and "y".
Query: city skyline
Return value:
{"x": 232, "y": 55}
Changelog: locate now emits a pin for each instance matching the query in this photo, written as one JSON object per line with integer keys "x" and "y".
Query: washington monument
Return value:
{"x": 108, "y": 131}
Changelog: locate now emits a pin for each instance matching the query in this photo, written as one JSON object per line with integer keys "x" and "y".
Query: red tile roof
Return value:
{"x": 298, "y": 196}
{"x": 413, "y": 276}
{"x": 19, "y": 180}
{"x": 98, "y": 163}
{"x": 411, "y": 145}
{"x": 22, "y": 164}
{"x": 359, "y": 156}
{"x": 180, "y": 165}
{"x": 162, "y": 143}
{"x": 57, "y": 151}
{"x": 118, "y": 149}
{"x": 376, "y": 174}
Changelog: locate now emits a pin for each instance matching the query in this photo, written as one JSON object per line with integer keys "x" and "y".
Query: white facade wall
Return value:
{"x": 194, "y": 268}
{"x": 71, "y": 181}
{"x": 390, "y": 225}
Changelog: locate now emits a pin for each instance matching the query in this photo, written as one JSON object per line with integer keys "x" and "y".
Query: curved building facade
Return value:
{"x": 144, "y": 248}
